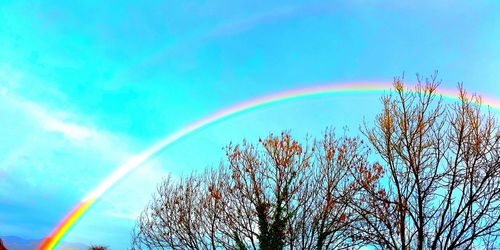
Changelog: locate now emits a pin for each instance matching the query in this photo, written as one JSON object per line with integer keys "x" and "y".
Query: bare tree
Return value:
{"x": 442, "y": 184}
{"x": 98, "y": 247}
{"x": 276, "y": 194}
{"x": 438, "y": 187}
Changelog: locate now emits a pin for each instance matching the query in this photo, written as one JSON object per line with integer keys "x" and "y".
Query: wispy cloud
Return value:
{"x": 60, "y": 122}
{"x": 48, "y": 156}
{"x": 121, "y": 215}
{"x": 51, "y": 157}
{"x": 54, "y": 121}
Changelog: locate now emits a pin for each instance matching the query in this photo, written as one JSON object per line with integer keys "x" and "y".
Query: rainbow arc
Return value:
{"x": 69, "y": 221}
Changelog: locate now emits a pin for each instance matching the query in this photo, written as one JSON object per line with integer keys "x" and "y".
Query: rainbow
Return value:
{"x": 134, "y": 162}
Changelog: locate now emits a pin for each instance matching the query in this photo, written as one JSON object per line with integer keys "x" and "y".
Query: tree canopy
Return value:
{"x": 437, "y": 185}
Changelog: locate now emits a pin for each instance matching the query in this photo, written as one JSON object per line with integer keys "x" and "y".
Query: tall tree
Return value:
{"x": 442, "y": 184}
{"x": 275, "y": 194}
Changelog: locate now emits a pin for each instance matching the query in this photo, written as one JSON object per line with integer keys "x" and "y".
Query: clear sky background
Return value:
{"x": 83, "y": 86}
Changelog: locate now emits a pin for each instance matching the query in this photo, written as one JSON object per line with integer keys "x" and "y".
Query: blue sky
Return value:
{"x": 83, "y": 86}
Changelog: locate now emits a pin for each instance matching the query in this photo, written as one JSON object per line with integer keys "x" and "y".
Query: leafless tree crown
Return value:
{"x": 437, "y": 187}
{"x": 442, "y": 187}
{"x": 274, "y": 194}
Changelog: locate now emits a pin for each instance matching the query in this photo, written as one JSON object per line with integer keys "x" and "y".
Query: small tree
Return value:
{"x": 97, "y": 247}
{"x": 2, "y": 247}
{"x": 442, "y": 189}
{"x": 275, "y": 194}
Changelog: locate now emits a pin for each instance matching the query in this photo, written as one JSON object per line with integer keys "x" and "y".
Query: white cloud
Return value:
{"x": 71, "y": 131}
{"x": 49, "y": 119}
{"x": 109, "y": 144}
{"x": 48, "y": 154}
{"x": 121, "y": 215}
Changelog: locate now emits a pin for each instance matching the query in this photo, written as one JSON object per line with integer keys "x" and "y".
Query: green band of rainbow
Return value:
{"x": 351, "y": 88}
